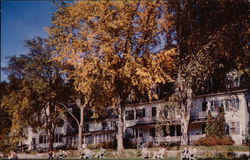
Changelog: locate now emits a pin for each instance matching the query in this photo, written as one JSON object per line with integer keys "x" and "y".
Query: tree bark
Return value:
{"x": 185, "y": 98}
{"x": 50, "y": 127}
{"x": 51, "y": 139}
{"x": 186, "y": 117}
{"x": 80, "y": 128}
{"x": 120, "y": 134}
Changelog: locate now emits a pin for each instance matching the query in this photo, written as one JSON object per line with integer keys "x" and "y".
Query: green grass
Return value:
{"x": 223, "y": 148}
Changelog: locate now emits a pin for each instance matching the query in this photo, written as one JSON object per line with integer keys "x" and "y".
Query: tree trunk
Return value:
{"x": 120, "y": 134}
{"x": 187, "y": 105}
{"x": 50, "y": 127}
{"x": 80, "y": 128}
{"x": 185, "y": 99}
{"x": 51, "y": 139}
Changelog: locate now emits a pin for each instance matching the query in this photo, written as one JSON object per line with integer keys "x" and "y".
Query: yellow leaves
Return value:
{"x": 106, "y": 42}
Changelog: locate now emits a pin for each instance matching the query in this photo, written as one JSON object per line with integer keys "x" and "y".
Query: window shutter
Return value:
{"x": 238, "y": 127}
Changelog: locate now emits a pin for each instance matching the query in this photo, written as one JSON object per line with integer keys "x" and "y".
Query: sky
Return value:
{"x": 20, "y": 21}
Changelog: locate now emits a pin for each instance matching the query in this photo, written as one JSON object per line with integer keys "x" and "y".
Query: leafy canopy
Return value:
{"x": 116, "y": 48}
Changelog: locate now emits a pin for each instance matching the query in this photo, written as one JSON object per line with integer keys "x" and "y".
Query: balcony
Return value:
{"x": 198, "y": 115}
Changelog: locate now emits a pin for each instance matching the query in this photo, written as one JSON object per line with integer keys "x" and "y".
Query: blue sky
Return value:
{"x": 22, "y": 20}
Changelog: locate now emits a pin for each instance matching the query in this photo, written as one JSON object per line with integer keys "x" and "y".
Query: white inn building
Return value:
{"x": 143, "y": 123}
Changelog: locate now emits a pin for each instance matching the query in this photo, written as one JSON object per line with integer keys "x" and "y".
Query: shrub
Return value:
{"x": 212, "y": 141}
{"x": 149, "y": 144}
{"x": 169, "y": 145}
{"x": 226, "y": 141}
{"x": 106, "y": 145}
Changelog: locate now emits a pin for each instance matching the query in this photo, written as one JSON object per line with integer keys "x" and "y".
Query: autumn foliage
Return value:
{"x": 115, "y": 49}
{"x": 213, "y": 141}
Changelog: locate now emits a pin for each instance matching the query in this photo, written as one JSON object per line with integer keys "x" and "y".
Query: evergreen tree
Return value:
{"x": 216, "y": 126}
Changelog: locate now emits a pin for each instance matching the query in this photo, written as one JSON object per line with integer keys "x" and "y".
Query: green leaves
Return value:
{"x": 34, "y": 81}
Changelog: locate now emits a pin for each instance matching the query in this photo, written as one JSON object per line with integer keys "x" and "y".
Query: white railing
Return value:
{"x": 199, "y": 114}
{"x": 195, "y": 137}
{"x": 157, "y": 139}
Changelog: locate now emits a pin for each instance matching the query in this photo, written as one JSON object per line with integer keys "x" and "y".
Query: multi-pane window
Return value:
{"x": 104, "y": 126}
{"x": 204, "y": 106}
{"x": 178, "y": 130}
{"x": 172, "y": 131}
{"x": 215, "y": 105}
{"x": 33, "y": 141}
{"x": 164, "y": 131}
{"x": 113, "y": 125}
{"x": 42, "y": 139}
{"x": 58, "y": 138}
{"x": 140, "y": 113}
{"x": 234, "y": 127}
{"x": 152, "y": 132}
{"x": 129, "y": 115}
{"x": 154, "y": 112}
{"x": 232, "y": 104}
{"x": 135, "y": 133}
{"x": 175, "y": 130}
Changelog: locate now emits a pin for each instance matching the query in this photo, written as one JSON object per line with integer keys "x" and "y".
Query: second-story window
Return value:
{"x": 232, "y": 104}
{"x": 129, "y": 115}
{"x": 204, "y": 106}
{"x": 140, "y": 113}
{"x": 104, "y": 126}
{"x": 215, "y": 105}
{"x": 154, "y": 112}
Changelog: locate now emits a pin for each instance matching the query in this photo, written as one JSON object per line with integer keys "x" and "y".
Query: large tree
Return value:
{"x": 35, "y": 84}
{"x": 5, "y": 123}
{"x": 118, "y": 49}
{"x": 212, "y": 39}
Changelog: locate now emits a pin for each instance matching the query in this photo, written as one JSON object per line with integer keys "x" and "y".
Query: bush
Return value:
{"x": 106, "y": 145}
{"x": 170, "y": 145}
{"x": 213, "y": 141}
{"x": 148, "y": 144}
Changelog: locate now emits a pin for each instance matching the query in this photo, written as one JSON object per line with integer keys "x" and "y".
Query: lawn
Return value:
{"x": 223, "y": 148}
